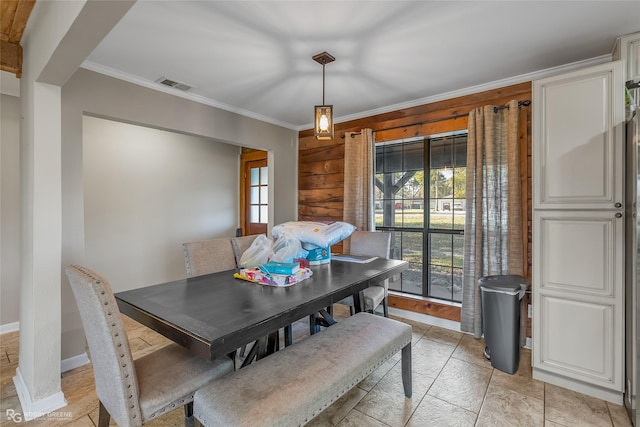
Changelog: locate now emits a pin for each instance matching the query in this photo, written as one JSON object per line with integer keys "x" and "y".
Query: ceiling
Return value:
{"x": 254, "y": 57}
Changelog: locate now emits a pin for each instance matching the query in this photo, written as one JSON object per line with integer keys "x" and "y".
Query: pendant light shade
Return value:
{"x": 323, "y": 114}
{"x": 323, "y": 121}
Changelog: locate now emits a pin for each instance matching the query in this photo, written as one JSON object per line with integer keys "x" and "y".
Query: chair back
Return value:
{"x": 241, "y": 244}
{"x": 209, "y": 256}
{"x": 113, "y": 367}
{"x": 371, "y": 243}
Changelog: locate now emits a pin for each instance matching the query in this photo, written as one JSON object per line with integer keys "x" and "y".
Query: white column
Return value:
{"x": 37, "y": 378}
{"x": 58, "y": 37}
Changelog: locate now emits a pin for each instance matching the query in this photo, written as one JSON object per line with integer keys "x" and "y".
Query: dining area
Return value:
{"x": 440, "y": 395}
{"x": 211, "y": 318}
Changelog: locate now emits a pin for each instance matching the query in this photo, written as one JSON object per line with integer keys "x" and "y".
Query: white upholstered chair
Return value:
{"x": 133, "y": 392}
{"x": 371, "y": 243}
{"x": 209, "y": 256}
{"x": 214, "y": 255}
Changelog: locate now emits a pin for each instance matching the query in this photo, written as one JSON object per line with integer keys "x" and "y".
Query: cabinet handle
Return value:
{"x": 618, "y": 205}
{"x": 618, "y": 215}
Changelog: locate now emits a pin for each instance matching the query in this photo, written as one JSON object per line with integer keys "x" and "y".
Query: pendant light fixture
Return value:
{"x": 323, "y": 114}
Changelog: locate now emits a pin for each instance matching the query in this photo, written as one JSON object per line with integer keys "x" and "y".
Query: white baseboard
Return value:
{"x": 31, "y": 409}
{"x": 66, "y": 364}
{"x": 9, "y": 327}
{"x": 435, "y": 321}
{"x": 74, "y": 362}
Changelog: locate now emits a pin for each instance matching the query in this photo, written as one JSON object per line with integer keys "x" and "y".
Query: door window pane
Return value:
{"x": 259, "y": 195}
{"x": 264, "y": 175}
{"x": 255, "y": 214}
{"x": 255, "y": 176}
{"x": 264, "y": 214}
{"x": 255, "y": 196}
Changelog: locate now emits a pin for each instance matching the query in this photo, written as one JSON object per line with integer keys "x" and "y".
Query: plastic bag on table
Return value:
{"x": 287, "y": 248}
{"x": 258, "y": 253}
{"x": 316, "y": 233}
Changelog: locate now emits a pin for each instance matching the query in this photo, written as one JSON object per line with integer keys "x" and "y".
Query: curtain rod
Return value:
{"x": 352, "y": 134}
{"x": 525, "y": 103}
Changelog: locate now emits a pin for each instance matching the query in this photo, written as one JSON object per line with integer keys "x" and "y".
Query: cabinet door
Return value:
{"x": 579, "y": 340}
{"x": 579, "y": 252}
{"x": 578, "y": 295}
{"x": 578, "y": 143}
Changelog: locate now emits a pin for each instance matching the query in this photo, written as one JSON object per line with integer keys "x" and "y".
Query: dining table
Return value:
{"x": 214, "y": 314}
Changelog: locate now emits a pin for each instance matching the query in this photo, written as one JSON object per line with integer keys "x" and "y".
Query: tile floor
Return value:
{"x": 453, "y": 385}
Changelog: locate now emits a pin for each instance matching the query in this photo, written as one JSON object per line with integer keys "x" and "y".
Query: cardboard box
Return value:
{"x": 317, "y": 255}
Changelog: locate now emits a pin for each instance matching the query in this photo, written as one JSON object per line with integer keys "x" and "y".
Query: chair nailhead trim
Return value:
{"x": 99, "y": 284}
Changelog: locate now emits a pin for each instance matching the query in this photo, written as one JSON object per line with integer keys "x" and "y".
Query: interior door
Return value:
{"x": 256, "y": 196}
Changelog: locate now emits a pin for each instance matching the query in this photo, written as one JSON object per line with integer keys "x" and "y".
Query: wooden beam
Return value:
{"x": 20, "y": 19}
{"x": 431, "y": 128}
{"x": 432, "y": 308}
{"x": 7, "y": 12}
{"x": 14, "y": 15}
{"x": 11, "y": 57}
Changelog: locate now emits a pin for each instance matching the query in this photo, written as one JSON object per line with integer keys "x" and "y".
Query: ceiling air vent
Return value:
{"x": 172, "y": 83}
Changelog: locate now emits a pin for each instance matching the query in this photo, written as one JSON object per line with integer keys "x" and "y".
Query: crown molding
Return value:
{"x": 108, "y": 71}
{"x": 474, "y": 89}
{"x": 92, "y": 66}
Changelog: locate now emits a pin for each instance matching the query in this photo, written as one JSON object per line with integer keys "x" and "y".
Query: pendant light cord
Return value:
{"x": 322, "y": 84}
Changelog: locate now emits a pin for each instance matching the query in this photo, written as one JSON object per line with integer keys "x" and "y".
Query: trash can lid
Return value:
{"x": 503, "y": 283}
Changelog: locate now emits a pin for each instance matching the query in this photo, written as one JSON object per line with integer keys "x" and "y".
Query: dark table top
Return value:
{"x": 215, "y": 314}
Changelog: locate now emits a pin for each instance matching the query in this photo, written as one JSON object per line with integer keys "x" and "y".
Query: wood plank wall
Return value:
{"x": 321, "y": 165}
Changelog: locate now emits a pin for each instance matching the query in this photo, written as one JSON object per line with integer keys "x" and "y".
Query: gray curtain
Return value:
{"x": 358, "y": 181}
{"x": 493, "y": 230}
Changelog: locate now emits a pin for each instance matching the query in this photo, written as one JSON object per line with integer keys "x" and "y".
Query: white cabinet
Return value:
{"x": 578, "y": 230}
{"x": 578, "y": 295}
{"x": 578, "y": 131}
{"x": 628, "y": 49}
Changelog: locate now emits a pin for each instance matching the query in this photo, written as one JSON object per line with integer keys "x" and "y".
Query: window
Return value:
{"x": 259, "y": 198}
{"x": 424, "y": 207}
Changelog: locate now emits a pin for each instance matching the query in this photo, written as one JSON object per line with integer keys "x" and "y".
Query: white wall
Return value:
{"x": 10, "y": 222}
{"x": 146, "y": 192}
{"x": 91, "y": 94}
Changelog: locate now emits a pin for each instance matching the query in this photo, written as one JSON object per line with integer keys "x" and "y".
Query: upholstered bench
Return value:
{"x": 291, "y": 386}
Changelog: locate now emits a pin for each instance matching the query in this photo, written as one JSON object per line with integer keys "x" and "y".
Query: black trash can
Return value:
{"x": 501, "y": 297}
